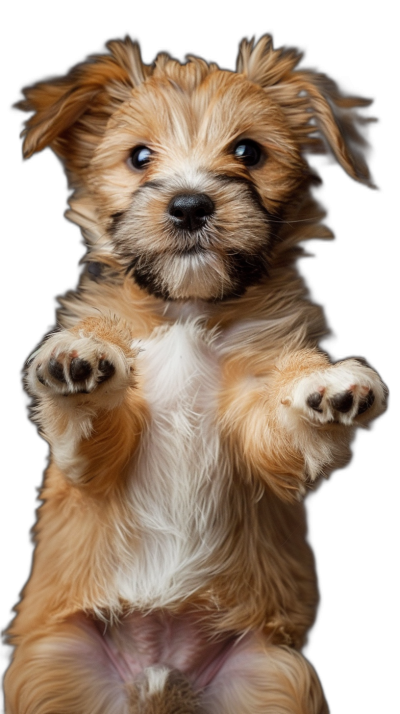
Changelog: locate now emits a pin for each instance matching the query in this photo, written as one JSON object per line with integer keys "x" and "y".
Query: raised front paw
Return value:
{"x": 343, "y": 393}
{"x": 80, "y": 360}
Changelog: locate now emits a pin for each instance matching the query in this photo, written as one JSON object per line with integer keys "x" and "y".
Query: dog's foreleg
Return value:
{"x": 294, "y": 420}
{"x": 87, "y": 397}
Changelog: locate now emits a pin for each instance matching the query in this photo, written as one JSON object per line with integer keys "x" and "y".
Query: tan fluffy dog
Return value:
{"x": 184, "y": 397}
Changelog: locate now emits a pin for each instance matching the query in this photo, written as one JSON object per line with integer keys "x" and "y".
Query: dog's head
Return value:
{"x": 185, "y": 172}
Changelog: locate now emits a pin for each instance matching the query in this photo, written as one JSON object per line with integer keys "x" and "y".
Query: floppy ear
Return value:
{"x": 318, "y": 113}
{"x": 94, "y": 87}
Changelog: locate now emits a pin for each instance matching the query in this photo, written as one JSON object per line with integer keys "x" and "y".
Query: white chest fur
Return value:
{"x": 179, "y": 478}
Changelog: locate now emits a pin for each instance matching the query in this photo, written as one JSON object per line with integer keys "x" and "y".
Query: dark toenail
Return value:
{"x": 342, "y": 402}
{"x": 56, "y": 369}
{"x": 40, "y": 378}
{"x": 79, "y": 369}
{"x": 107, "y": 370}
{"x": 314, "y": 400}
{"x": 366, "y": 402}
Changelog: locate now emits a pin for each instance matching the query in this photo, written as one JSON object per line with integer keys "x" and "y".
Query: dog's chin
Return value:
{"x": 184, "y": 276}
{"x": 197, "y": 275}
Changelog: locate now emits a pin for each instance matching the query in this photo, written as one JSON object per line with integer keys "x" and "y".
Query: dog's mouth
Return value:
{"x": 191, "y": 250}
{"x": 209, "y": 245}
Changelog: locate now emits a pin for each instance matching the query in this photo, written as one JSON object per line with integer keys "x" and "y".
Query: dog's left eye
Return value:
{"x": 248, "y": 151}
{"x": 140, "y": 157}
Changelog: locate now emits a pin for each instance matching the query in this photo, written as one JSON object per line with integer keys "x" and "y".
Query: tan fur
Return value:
{"x": 251, "y": 421}
{"x": 171, "y": 543}
{"x": 175, "y": 695}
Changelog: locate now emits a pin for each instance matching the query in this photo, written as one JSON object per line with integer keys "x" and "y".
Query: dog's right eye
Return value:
{"x": 140, "y": 157}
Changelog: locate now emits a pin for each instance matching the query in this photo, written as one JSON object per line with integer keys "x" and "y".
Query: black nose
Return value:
{"x": 189, "y": 211}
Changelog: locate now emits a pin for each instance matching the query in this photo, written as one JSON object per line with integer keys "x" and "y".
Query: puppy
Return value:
{"x": 185, "y": 400}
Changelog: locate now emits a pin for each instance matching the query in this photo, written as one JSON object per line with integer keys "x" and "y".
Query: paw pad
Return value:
{"x": 56, "y": 370}
{"x": 314, "y": 400}
{"x": 106, "y": 369}
{"x": 338, "y": 394}
{"x": 343, "y": 401}
{"x": 348, "y": 402}
{"x": 79, "y": 369}
{"x": 366, "y": 402}
{"x": 72, "y": 374}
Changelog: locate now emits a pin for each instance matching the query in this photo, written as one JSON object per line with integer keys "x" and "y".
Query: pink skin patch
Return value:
{"x": 178, "y": 642}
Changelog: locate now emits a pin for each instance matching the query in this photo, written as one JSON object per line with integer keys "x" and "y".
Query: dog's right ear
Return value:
{"x": 95, "y": 88}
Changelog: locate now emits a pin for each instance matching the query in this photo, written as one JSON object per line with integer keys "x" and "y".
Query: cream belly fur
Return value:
{"x": 179, "y": 477}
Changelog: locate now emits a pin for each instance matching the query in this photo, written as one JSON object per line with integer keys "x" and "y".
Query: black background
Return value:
{"x": 353, "y": 517}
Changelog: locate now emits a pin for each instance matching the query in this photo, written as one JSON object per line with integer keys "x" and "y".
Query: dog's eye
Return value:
{"x": 140, "y": 157}
{"x": 248, "y": 151}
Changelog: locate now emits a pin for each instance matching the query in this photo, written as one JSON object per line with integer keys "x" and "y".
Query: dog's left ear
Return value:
{"x": 317, "y": 112}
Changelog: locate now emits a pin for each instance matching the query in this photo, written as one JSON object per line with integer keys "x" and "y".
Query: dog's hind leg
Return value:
{"x": 260, "y": 678}
{"x": 65, "y": 670}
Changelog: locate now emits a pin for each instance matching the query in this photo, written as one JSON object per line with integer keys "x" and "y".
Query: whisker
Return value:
{"x": 295, "y": 220}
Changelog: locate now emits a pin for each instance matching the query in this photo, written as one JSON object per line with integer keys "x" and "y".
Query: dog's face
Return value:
{"x": 192, "y": 171}
{"x": 189, "y": 169}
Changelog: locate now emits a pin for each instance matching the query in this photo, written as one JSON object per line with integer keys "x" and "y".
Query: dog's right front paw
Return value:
{"x": 77, "y": 364}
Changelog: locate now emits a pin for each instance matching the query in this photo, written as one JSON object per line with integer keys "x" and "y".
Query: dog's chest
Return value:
{"x": 178, "y": 479}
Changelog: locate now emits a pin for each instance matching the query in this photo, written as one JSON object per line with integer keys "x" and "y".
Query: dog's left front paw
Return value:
{"x": 343, "y": 394}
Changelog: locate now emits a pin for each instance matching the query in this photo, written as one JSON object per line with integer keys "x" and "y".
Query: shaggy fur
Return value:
{"x": 187, "y": 405}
